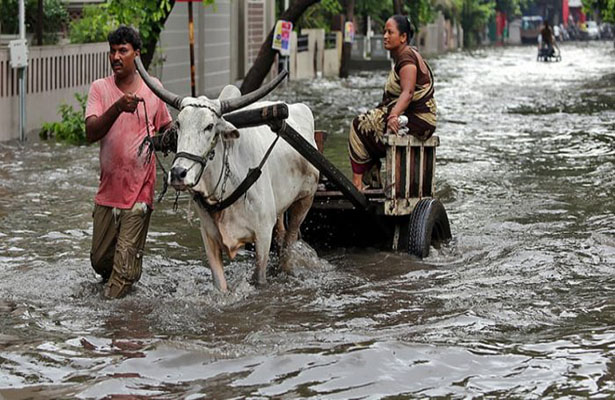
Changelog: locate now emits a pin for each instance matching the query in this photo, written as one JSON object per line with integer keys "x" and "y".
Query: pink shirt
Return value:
{"x": 125, "y": 178}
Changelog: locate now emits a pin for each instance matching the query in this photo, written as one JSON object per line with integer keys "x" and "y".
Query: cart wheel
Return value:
{"x": 428, "y": 223}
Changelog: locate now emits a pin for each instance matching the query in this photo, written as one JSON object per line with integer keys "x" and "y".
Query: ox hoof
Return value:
{"x": 261, "y": 285}
{"x": 259, "y": 281}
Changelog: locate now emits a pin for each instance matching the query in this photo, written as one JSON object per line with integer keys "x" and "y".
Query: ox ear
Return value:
{"x": 227, "y": 130}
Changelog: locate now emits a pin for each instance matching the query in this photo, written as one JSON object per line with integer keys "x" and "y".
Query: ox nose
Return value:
{"x": 178, "y": 174}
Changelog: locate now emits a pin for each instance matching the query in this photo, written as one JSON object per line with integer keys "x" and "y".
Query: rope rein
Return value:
{"x": 149, "y": 142}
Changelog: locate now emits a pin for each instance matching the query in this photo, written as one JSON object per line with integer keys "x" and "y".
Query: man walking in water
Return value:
{"x": 116, "y": 116}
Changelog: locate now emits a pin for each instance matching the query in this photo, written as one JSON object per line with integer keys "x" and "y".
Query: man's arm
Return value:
{"x": 166, "y": 139}
{"x": 96, "y": 127}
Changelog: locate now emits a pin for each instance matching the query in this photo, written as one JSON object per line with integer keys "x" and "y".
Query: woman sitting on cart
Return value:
{"x": 547, "y": 40}
{"x": 408, "y": 91}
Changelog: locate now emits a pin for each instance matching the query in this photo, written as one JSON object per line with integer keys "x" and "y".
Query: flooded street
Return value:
{"x": 520, "y": 304}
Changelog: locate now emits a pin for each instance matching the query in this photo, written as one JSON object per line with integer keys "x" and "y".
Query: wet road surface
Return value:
{"x": 519, "y": 304}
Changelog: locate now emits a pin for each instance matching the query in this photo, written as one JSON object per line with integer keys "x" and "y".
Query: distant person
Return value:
{"x": 409, "y": 91}
{"x": 547, "y": 39}
{"x": 557, "y": 34}
{"x": 115, "y": 115}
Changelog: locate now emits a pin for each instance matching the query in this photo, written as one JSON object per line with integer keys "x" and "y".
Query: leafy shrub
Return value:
{"x": 72, "y": 127}
{"x": 93, "y": 26}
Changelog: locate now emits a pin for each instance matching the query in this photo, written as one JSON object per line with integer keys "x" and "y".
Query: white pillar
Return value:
{"x": 22, "y": 75}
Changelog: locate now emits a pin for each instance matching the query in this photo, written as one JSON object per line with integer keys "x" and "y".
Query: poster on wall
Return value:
{"x": 348, "y": 32}
{"x": 281, "y": 37}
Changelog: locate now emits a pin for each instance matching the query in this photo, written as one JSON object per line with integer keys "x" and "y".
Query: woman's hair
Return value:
{"x": 404, "y": 25}
{"x": 125, "y": 34}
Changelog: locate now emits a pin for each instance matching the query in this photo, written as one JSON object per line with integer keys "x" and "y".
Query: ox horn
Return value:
{"x": 227, "y": 106}
{"x": 168, "y": 97}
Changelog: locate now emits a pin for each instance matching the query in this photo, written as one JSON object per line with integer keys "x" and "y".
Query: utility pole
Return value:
{"x": 22, "y": 73}
{"x": 18, "y": 50}
{"x": 191, "y": 38}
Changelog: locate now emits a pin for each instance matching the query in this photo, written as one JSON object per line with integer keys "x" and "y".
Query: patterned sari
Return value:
{"x": 366, "y": 139}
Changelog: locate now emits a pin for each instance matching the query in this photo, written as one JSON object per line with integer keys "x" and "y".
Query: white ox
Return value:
{"x": 288, "y": 181}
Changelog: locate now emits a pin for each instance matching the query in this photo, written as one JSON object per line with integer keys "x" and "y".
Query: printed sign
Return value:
{"x": 348, "y": 32}
{"x": 281, "y": 37}
{"x": 18, "y": 52}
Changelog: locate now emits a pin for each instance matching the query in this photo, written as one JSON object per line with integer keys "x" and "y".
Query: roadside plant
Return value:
{"x": 71, "y": 129}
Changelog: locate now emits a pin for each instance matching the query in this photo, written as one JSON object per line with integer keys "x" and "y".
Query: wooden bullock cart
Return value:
{"x": 402, "y": 215}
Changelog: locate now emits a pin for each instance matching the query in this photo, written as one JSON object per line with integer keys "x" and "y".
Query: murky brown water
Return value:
{"x": 520, "y": 304}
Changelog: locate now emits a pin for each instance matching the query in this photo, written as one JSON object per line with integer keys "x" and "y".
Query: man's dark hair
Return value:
{"x": 404, "y": 25}
{"x": 125, "y": 34}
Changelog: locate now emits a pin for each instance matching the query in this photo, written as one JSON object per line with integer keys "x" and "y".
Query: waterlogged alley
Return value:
{"x": 519, "y": 304}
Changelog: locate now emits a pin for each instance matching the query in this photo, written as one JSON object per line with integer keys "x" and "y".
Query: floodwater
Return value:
{"x": 521, "y": 303}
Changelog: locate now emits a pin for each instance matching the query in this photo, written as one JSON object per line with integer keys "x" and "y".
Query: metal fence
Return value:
{"x": 53, "y": 75}
{"x": 52, "y": 68}
{"x": 330, "y": 41}
{"x": 302, "y": 43}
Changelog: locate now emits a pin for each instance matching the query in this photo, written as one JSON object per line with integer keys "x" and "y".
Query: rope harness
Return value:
{"x": 225, "y": 172}
{"x": 148, "y": 142}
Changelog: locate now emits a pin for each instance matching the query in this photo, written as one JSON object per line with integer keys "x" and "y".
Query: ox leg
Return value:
{"x": 214, "y": 257}
{"x": 296, "y": 214}
{"x": 279, "y": 232}
{"x": 262, "y": 246}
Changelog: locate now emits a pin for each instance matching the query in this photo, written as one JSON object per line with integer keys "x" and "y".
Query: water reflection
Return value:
{"x": 518, "y": 305}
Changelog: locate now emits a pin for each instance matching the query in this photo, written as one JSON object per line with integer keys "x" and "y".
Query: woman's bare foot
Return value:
{"x": 357, "y": 181}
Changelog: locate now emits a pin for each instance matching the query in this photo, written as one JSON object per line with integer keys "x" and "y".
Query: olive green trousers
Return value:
{"x": 118, "y": 240}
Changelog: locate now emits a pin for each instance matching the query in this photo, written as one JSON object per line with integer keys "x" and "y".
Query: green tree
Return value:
{"x": 606, "y": 8}
{"x": 317, "y": 16}
{"x": 93, "y": 26}
{"x": 54, "y": 17}
{"x": 474, "y": 16}
{"x": 511, "y": 8}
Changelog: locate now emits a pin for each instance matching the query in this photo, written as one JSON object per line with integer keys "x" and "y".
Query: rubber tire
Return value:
{"x": 428, "y": 223}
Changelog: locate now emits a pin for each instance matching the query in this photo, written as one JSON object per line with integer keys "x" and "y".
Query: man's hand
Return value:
{"x": 128, "y": 103}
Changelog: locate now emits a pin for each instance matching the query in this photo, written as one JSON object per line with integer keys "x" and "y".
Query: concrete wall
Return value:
{"x": 359, "y": 48}
{"x": 228, "y": 37}
{"x": 54, "y": 75}
{"x": 301, "y": 62}
{"x": 514, "y": 32}
{"x": 213, "y": 49}
{"x": 316, "y": 46}
{"x": 316, "y": 61}
{"x": 332, "y": 58}
{"x": 439, "y": 36}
